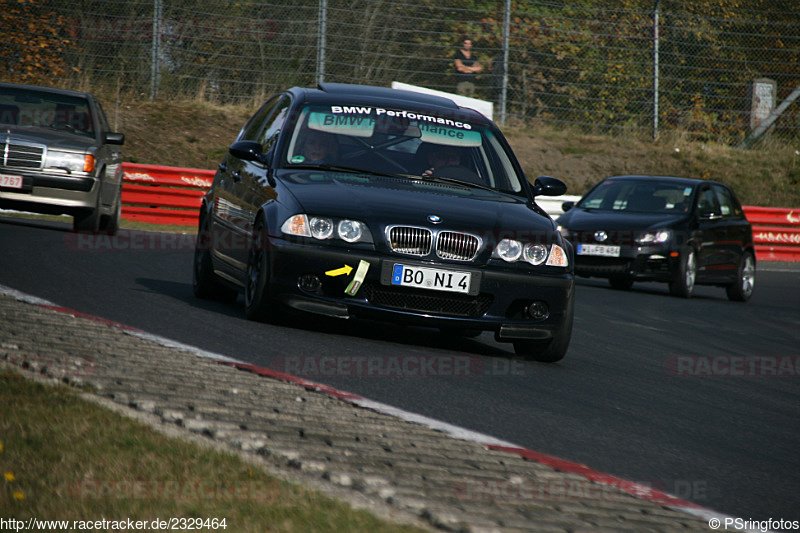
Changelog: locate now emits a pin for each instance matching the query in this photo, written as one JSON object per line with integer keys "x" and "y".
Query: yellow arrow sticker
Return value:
{"x": 340, "y": 271}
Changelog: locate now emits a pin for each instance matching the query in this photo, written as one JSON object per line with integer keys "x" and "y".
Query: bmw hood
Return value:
{"x": 382, "y": 201}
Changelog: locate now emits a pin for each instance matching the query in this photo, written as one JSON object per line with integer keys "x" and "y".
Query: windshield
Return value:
{"x": 26, "y": 108}
{"x": 638, "y": 196}
{"x": 401, "y": 142}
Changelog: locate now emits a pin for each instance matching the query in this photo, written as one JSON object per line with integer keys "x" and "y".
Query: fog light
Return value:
{"x": 309, "y": 282}
{"x": 538, "y": 311}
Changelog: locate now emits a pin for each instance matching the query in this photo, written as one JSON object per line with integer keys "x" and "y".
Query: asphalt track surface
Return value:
{"x": 654, "y": 389}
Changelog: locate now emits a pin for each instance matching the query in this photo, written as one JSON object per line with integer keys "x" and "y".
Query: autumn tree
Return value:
{"x": 32, "y": 51}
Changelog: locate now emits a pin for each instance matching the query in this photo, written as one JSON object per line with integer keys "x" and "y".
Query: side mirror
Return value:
{"x": 566, "y": 206}
{"x": 548, "y": 186}
{"x": 114, "y": 138}
{"x": 248, "y": 151}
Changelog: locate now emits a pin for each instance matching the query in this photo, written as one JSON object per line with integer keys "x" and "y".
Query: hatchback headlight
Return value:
{"x": 654, "y": 237}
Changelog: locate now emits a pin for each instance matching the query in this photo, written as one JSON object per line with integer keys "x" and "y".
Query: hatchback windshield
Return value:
{"x": 638, "y": 196}
{"x": 397, "y": 141}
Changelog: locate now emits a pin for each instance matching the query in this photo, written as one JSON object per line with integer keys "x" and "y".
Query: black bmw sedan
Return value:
{"x": 677, "y": 230}
{"x": 352, "y": 201}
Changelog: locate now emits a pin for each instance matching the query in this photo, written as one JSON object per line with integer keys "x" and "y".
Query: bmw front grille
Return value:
{"x": 418, "y": 241}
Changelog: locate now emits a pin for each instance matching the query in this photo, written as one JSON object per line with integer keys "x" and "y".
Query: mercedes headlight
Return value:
{"x": 69, "y": 161}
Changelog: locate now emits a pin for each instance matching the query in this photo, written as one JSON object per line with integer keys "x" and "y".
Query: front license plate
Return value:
{"x": 431, "y": 278}
{"x": 605, "y": 250}
{"x": 10, "y": 181}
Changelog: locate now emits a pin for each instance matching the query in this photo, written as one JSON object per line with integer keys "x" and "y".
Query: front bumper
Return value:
{"x": 641, "y": 263}
{"x": 50, "y": 193}
{"x": 303, "y": 276}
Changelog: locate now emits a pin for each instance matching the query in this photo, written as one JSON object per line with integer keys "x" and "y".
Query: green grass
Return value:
{"x": 64, "y": 458}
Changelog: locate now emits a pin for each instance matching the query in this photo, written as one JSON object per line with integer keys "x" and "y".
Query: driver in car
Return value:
{"x": 442, "y": 156}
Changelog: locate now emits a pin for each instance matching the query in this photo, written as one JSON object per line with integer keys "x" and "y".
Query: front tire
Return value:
{"x": 742, "y": 289}
{"x": 683, "y": 284}
{"x": 258, "y": 303}
{"x": 110, "y": 223}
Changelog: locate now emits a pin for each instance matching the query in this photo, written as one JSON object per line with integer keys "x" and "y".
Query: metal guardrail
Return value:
{"x": 776, "y": 232}
{"x": 163, "y": 195}
{"x": 170, "y": 195}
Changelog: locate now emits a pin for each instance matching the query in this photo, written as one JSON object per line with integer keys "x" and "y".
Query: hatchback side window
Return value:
{"x": 707, "y": 203}
{"x": 727, "y": 204}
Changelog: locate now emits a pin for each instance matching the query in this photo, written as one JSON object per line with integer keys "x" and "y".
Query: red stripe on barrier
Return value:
{"x": 776, "y": 232}
{"x": 163, "y": 195}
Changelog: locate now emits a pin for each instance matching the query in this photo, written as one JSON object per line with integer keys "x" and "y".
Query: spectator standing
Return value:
{"x": 467, "y": 66}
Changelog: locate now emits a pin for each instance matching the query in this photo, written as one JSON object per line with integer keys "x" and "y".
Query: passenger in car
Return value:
{"x": 319, "y": 147}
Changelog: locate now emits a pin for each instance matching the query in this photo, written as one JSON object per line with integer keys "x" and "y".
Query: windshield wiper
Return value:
{"x": 350, "y": 170}
{"x": 454, "y": 181}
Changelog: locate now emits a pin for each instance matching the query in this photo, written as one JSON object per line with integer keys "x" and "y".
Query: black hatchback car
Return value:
{"x": 58, "y": 155}
{"x": 353, "y": 201}
{"x": 645, "y": 228}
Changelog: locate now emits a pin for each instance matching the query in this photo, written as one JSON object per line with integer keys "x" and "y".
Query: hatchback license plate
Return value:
{"x": 604, "y": 250}
{"x": 11, "y": 181}
{"x": 431, "y": 278}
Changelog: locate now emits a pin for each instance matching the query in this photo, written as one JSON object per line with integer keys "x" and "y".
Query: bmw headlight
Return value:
{"x": 511, "y": 250}
{"x": 324, "y": 228}
{"x": 321, "y": 228}
{"x": 654, "y": 237}
{"x": 351, "y": 230}
{"x": 508, "y": 250}
{"x": 535, "y": 254}
{"x": 69, "y": 161}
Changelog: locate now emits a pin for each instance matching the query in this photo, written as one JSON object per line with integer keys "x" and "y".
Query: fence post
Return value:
{"x": 504, "y": 89}
{"x": 323, "y": 22}
{"x": 655, "y": 69}
{"x": 155, "y": 67}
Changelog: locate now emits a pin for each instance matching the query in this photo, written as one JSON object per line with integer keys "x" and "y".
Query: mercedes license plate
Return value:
{"x": 10, "y": 181}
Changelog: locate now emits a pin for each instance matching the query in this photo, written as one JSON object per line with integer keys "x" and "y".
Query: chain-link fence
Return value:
{"x": 641, "y": 66}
